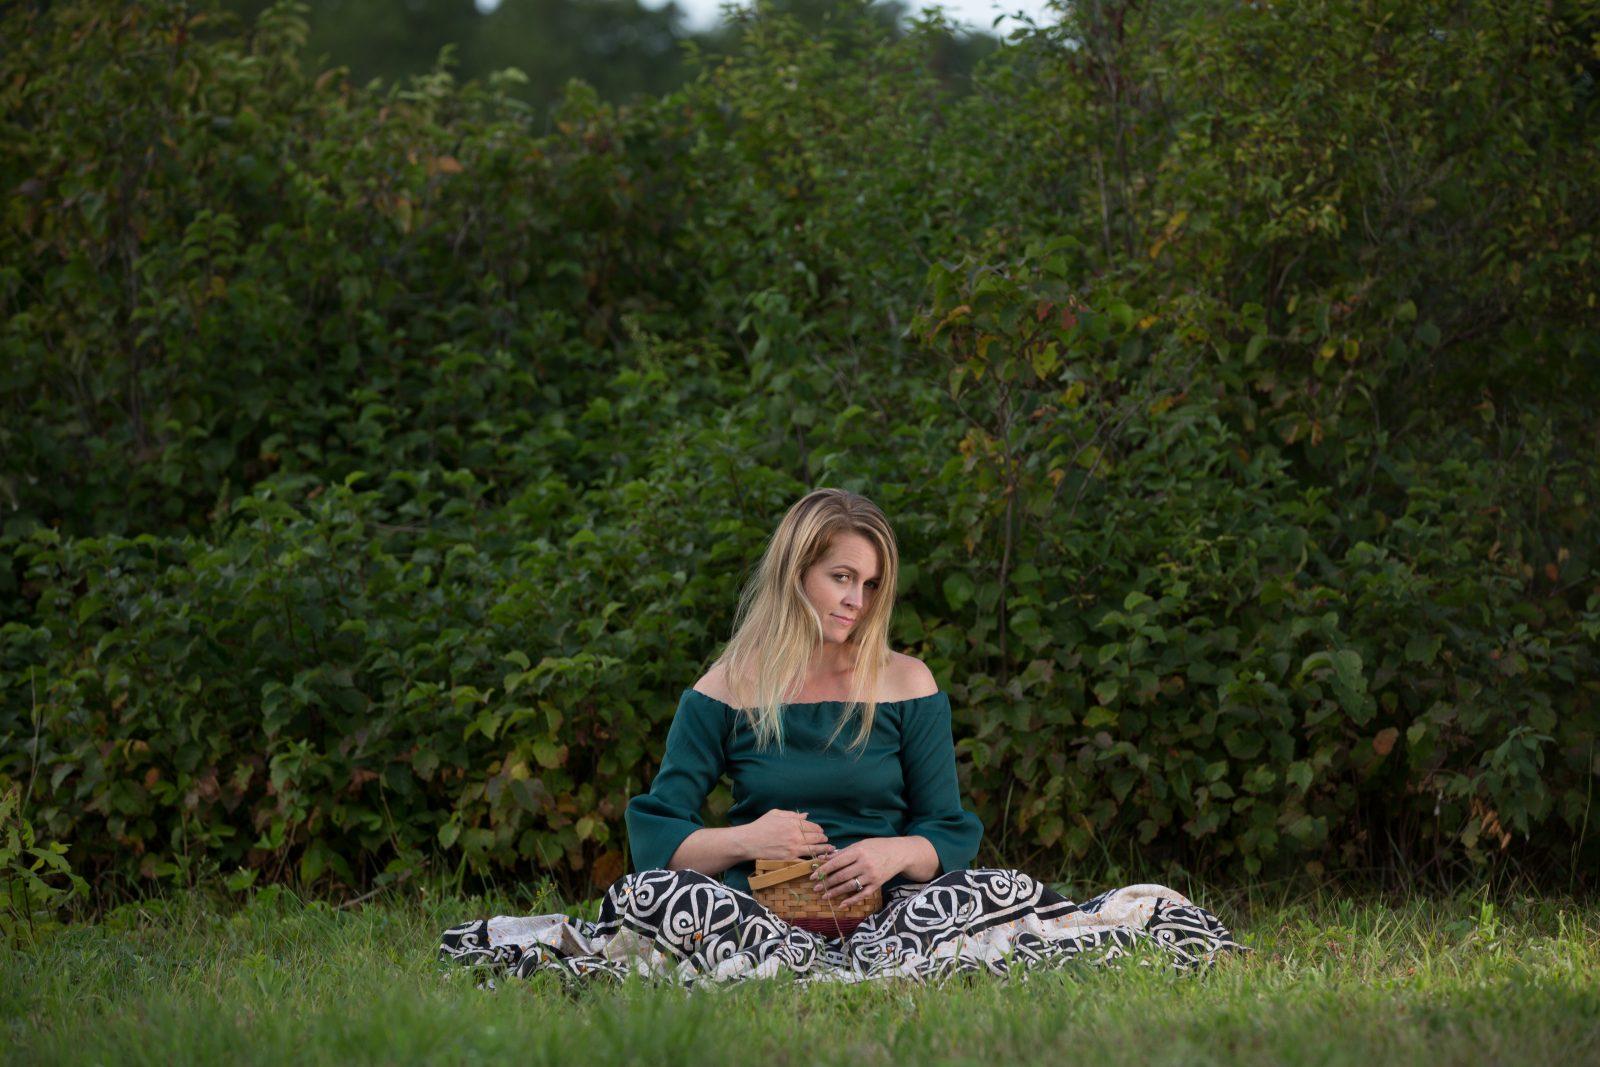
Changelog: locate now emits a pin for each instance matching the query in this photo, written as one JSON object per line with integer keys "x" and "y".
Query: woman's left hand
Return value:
{"x": 874, "y": 860}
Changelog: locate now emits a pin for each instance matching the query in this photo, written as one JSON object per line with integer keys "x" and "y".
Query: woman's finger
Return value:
{"x": 835, "y": 878}
{"x": 828, "y": 866}
{"x": 846, "y": 890}
{"x": 857, "y": 898}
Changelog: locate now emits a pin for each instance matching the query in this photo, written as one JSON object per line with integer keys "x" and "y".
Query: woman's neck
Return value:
{"x": 829, "y": 675}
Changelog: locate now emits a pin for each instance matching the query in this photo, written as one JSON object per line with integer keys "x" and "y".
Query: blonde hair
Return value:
{"x": 776, "y": 631}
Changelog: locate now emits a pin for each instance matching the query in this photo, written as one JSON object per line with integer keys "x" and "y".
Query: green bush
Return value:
{"x": 31, "y": 874}
{"x": 378, "y": 469}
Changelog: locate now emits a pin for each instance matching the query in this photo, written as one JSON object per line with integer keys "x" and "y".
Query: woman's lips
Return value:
{"x": 847, "y": 622}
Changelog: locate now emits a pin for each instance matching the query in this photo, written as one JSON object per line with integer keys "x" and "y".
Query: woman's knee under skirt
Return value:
{"x": 689, "y": 927}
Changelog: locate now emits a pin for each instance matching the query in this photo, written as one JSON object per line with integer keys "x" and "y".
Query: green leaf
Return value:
{"x": 1299, "y": 775}
{"x": 1347, "y": 668}
{"x": 312, "y": 863}
{"x": 1254, "y": 347}
{"x": 1305, "y": 828}
{"x": 958, "y": 589}
{"x": 1422, "y": 648}
{"x": 1243, "y": 744}
{"x": 1097, "y": 717}
{"x": 1046, "y": 361}
{"x": 1260, "y": 778}
{"x": 528, "y": 797}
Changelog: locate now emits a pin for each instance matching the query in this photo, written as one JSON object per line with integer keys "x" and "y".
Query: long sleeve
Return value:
{"x": 933, "y": 796}
{"x": 695, "y": 758}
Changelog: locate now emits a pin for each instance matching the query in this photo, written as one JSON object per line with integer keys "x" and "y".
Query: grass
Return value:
{"x": 1335, "y": 979}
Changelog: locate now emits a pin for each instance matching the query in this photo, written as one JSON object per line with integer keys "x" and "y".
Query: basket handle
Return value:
{"x": 781, "y": 875}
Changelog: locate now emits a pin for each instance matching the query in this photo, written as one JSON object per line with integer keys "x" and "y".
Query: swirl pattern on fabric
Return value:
{"x": 688, "y": 927}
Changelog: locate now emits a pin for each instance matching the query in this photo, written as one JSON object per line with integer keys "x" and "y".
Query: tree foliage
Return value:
{"x": 621, "y": 48}
{"x": 379, "y": 464}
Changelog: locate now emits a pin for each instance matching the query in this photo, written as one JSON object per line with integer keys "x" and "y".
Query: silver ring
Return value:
{"x": 859, "y": 886}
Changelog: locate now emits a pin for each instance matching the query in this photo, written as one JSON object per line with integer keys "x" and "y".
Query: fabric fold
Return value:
{"x": 686, "y": 927}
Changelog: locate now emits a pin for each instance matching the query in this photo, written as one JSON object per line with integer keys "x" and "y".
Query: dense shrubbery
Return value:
{"x": 377, "y": 471}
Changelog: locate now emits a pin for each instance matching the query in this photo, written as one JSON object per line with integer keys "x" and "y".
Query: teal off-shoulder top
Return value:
{"x": 902, "y": 784}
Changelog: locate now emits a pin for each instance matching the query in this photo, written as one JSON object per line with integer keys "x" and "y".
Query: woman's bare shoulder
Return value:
{"x": 714, "y": 684}
{"x": 906, "y": 678}
{"x": 910, "y": 678}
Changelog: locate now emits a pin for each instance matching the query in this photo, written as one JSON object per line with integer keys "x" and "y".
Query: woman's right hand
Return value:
{"x": 785, "y": 835}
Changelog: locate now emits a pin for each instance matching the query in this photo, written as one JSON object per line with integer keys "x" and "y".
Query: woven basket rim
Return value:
{"x": 797, "y": 898}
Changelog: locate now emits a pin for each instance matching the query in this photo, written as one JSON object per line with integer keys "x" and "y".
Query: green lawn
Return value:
{"x": 1334, "y": 980}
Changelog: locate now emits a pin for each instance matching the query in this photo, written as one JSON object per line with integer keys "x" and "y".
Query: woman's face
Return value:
{"x": 842, "y": 584}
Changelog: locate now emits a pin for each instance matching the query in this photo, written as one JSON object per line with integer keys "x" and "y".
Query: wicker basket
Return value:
{"x": 785, "y": 887}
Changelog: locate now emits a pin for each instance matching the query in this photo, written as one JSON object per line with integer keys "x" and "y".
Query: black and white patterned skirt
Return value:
{"x": 688, "y": 927}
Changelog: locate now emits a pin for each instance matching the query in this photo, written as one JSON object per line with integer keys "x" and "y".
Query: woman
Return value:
{"x": 880, "y": 811}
